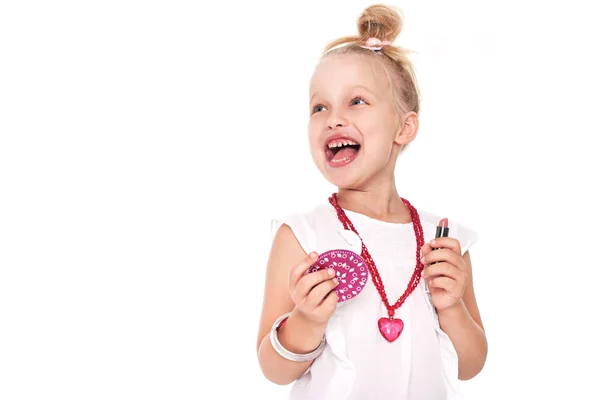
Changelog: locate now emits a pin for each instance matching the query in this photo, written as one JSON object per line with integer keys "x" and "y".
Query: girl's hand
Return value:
{"x": 313, "y": 293}
{"x": 445, "y": 271}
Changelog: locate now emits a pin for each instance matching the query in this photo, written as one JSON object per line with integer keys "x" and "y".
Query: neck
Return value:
{"x": 381, "y": 202}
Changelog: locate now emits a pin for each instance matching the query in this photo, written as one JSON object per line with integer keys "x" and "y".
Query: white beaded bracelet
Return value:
{"x": 283, "y": 352}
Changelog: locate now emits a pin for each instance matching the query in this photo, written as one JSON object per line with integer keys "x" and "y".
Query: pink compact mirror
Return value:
{"x": 350, "y": 270}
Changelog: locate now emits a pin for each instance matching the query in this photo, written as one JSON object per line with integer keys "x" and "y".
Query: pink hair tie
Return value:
{"x": 375, "y": 44}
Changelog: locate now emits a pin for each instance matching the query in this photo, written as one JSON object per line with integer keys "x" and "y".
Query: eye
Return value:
{"x": 318, "y": 108}
{"x": 357, "y": 100}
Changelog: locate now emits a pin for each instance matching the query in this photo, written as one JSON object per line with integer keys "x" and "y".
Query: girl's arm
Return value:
{"x": 297, "y": 334}
{"x": 462, "y": 323}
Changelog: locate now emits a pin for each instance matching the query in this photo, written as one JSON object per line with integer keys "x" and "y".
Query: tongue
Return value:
{"x": 346, "y": 152}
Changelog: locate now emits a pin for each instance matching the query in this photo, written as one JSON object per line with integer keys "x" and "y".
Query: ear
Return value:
{"x": 408, "y": 129}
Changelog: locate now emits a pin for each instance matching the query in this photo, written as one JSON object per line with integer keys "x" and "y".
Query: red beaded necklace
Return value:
{"x": 389, "y": 327}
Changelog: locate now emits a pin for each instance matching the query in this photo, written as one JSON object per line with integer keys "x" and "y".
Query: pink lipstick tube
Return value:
{"x": 441, "y": 231}
{"x": 442, "y": 228}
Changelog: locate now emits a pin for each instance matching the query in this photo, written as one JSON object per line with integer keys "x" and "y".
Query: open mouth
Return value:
{"x": 340, "y": 152}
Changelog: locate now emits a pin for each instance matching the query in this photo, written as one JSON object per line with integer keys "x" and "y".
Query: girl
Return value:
{"x": 415, "y": 329}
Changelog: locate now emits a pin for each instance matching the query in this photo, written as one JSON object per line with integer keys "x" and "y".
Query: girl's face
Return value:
{"x": 354, "y": 128}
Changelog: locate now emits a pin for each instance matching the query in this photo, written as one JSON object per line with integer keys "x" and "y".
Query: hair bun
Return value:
{"x": 380, "y": 21}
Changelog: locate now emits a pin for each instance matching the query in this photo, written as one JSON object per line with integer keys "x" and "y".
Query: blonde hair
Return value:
{"x": 384, "y": 23}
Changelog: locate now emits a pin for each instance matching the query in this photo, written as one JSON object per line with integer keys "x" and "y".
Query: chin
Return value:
{"x": 343, "y": 178}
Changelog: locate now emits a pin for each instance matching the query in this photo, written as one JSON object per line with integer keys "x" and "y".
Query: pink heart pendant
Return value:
{"x": 350, "y": 269}
{"x": 390, "y": 328}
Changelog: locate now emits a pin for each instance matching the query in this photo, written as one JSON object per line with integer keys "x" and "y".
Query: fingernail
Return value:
{"x": 433, "y": 241}
{"x": 313, "y": 255}
{"x": 335, "y": 281}
{"x": 331, "y": 271}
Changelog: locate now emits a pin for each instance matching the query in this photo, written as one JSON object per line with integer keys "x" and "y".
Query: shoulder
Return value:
{"x": 465, "y": 235}
{"x": 302, "y": 218}
{"x": 304, "y": 224}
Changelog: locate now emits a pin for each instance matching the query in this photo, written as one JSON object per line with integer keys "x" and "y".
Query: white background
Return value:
{"x": 145, "y": 146}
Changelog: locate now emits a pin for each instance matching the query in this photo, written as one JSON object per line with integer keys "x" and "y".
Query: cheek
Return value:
{"x": 314, "y": 132}
{"x": 378, "y": 150}
{"x": 379, "y": 142}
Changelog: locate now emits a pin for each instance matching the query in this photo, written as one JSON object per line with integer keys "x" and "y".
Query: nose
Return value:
{"x": 336, "y": 120}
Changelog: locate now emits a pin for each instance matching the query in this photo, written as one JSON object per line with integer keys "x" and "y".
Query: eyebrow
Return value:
{"x": 364, "y": 88}
{"x": 312, "y": 97}
{"x": 351, "y": 88}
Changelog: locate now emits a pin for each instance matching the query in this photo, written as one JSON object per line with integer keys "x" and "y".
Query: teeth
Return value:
{"x": 340, "y": 160}
{"x": 342, "y": 143}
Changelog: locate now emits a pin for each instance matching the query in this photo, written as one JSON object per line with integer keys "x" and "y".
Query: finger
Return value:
{"x": 426, "y": 249}
{"x": 441, "y": 269}
{"x": 298, "y": 270}
{"x": 443, "y": 255}
{"x": 447, "y": 243}
{"x": 320, "y": 292}
{"x": 310, "y": 281}
{"x": 329, "y": 304}
{"x": 443, "y": 282}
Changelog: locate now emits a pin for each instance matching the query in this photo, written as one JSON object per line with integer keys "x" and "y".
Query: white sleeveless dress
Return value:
{"x": 358, "y": 363}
